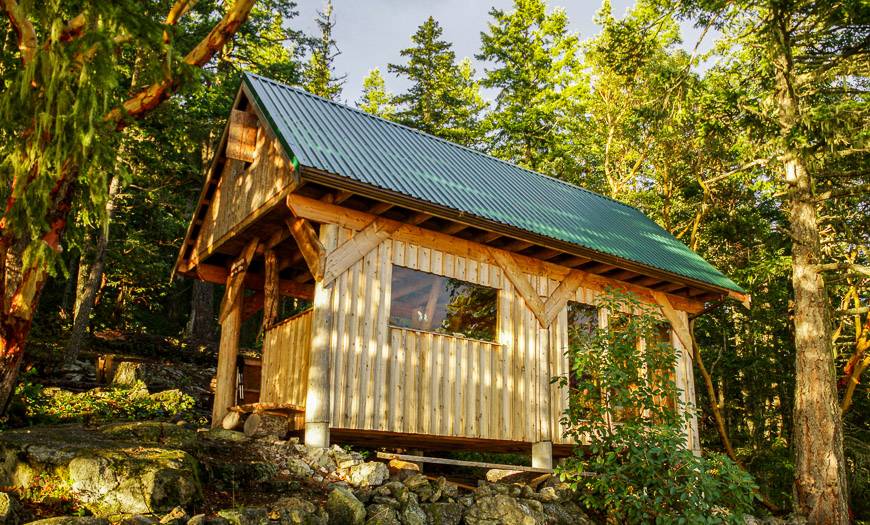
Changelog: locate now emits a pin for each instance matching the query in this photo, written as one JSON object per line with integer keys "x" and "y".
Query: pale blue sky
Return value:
{"x": 370, "y": 33}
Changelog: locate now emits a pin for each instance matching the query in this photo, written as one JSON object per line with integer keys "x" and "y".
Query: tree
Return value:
{"x": 71, "y": 73}
{"x": 375, "y": 98}
{"x": 443, "y": 99}
{"x": 319, "y": 75}
{"x": 534, "y": 67}
{"x": 800, "y": 64}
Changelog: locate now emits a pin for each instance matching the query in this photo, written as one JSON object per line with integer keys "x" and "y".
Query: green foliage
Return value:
{"x": 375, "y": 98}
{"x": 634, "y": 466}
{"x": 534, "y": 67}
{"x": 443, "y": 98}
{"x": 319, "y": 75}
{"x": 54, "y": 406}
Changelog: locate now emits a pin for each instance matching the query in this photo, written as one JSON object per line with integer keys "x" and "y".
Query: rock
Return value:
{"x": 176, "y": 516}
{"x": 505, "y": 510}
{"x": 344, "y": 509}
{"x": 296, "y": 511}
{"x": 245, "y": 516}
{"x": 221, "y": 434}
{"x": 138, "y": 519}
{"x": 497, "y": 475}
{"x": 8, "y": 509}
{"x": 107, "y": 476}
{"x": 203, "y": 519}
{"x": 444, "y": 513}
{"x": 299, "y": 468}
{"x": 419, "y": 485}
{"x": 548, "y": 494}
{"x": 412, "y": 514}
{"x": 368, "y": 474}
{"x": 402, "y": 469}
{"x": 153, "y": 433}
{"x": 382, "y": 515}
{"x": 566, "y": 513}
{"x": 71, "y": 520}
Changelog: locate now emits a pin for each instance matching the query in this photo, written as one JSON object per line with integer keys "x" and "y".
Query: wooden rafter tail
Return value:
{"x": 745, "y": 299}
{"x": 309, "y": 245}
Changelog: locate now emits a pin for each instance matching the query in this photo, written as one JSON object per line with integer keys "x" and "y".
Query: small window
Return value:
{"x": 424, "y": 301}
{"x": 582, "y": 323}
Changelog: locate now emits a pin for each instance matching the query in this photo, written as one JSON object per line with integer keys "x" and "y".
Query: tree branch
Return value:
{"x": 150, "y": 97}
{"x": 857, "y": 268}
{"x": 27, "y": 42}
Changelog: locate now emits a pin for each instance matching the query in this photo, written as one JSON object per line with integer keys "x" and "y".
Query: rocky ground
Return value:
{"x": 150, "y": 472}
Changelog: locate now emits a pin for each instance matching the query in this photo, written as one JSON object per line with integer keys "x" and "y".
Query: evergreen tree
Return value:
{"x": 442, "y": 100}
{"x": 319, "y": 75}
{"x": 534, "y": 66}
{"x": 375, "y": 97}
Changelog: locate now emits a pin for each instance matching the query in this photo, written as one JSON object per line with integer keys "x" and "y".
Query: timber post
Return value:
{"x": 225, "y": 394}
{"x": 317, "y": 412}
{"x": 542, "y": 454}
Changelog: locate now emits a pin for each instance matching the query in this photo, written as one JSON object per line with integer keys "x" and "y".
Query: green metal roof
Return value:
{"x": 350, "y": 143}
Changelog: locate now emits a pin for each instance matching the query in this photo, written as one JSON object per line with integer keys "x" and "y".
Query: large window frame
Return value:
{"x": 429, "y": 309}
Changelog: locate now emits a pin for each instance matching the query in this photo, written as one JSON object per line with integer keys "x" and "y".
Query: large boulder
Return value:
{"x": 8, "y": 509}
{"x": 444, "y": 513}
{"x": 505, "y": 510}
{"x": 344, "y": 509}
{"x": 368, "y": 474}
{"x": 71, "y": 520}
{"x": 107, "y": 476}
{"x": 165, "y": 435}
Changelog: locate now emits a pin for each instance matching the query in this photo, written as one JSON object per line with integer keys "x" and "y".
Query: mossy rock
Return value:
{"x": 157, "y": 433}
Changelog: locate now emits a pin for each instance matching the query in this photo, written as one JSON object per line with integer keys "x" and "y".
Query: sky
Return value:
{"x": 370, "y": 33}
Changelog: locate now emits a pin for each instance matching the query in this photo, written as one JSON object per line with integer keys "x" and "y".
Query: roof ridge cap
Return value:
{"x": 429, "y": 135}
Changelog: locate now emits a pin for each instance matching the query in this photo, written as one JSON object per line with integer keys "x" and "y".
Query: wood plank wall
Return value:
{"x": 393, "y": 379}
{"x": 286, "y": 349}
{"x": 244, "y": 189}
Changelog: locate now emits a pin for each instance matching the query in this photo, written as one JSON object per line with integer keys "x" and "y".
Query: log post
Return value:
{"x": 225, "y": 393}
{"x": 317, "y": 413}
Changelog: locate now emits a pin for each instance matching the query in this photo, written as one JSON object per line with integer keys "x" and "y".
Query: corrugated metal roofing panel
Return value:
{"x": 350, "y": 143}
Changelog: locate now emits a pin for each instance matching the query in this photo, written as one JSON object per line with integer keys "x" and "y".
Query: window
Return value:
{"x": 424, "y": 301}
{"x": 663, "y": 377}
{"x": 582, "y": 323}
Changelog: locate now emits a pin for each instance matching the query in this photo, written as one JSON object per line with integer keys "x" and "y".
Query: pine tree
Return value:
{"x": 534, "y": 60}
{"x": 375, "y": 97}
{"x": 319, "y": 75}
{"x": 443, "y": 100}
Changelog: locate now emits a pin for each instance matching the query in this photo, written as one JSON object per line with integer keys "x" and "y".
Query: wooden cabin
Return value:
{"x": 442, "y": 281}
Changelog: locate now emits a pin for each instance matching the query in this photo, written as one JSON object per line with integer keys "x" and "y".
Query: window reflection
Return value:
{"x": 424, "y": 301}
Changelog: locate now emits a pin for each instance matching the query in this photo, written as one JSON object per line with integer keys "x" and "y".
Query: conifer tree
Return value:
{"x": 442, "y": 100}
{"x": 534, "y": 63}
{"x": 375, "y": 97}
{"x": 319, "y": 75}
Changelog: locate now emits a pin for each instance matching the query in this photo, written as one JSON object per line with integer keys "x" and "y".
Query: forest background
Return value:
{"x": 626, "y": 113}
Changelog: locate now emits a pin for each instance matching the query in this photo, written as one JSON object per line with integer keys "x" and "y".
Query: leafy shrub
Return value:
{"x": 40, "y": 405}
{"x": 624, "y": 408}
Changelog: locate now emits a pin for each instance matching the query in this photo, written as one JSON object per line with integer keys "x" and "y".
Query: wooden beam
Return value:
{"x": 271, "y": 296}
{"x": 462, "y": 463}
{"x": 560, "y": 296}
{"x": 341, "y": 196}
{"x": 312, "y": 250}
{"x": 681, "y": 328}
{"x": 669, "y": 287}
{"x": 546, "y": 254}
{"x": 242, "y": 138}
{"x": 380, "y": 207}
{"x": 317, "y": 211}
{"x": 599, "y": 268}
{"x": 521, "y": 283}
{"x": 454, "y": 228}
{"x": 418, "y": 218}
{"x": 225, "y": 394}
{"x": 218, "y": 275}
{"x": 517, "y": 245}
{"x": 646, "y": 281}
{"x": 574, "y": 262}
{"x": 623, "y": 275}
{"x": 357, "y": 247}
{"x": 486, "y": 237}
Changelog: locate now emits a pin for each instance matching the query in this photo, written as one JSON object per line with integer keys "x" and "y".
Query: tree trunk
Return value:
{"x": 201, "y": 327}
{"x": 820, "y": 489}
{"x": 88, "y": 293}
